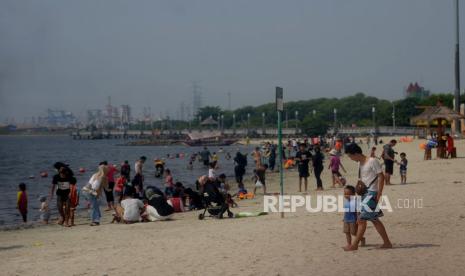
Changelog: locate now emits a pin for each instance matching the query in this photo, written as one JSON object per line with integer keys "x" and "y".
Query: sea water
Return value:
{"x": 25, "y": 156}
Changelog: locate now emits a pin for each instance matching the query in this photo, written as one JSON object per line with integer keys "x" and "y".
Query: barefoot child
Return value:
{"x": 21, "y": 203}
{"x": 350, "y": 215}
{"x": 334, "y": 165}
{"x": 44, "y": 210}
{"x": 73, "y": 203}
{"x": 403, "y": 168}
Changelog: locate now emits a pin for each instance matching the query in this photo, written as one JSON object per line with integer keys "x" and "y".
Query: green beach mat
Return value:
{"x": 250, "y": 214}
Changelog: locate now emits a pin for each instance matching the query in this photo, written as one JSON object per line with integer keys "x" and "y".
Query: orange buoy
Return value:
{"x": 43, "y": 174}
{"x": 82, "y": 170}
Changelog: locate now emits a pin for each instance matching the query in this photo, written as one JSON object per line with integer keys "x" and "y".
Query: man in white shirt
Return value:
{"x": 132, "y": 209}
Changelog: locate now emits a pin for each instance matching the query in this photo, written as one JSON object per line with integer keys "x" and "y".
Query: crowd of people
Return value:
{"x": 131, "y": 202}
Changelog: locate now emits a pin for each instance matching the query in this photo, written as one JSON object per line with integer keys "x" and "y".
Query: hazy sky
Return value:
{"x": 74, "y": 54}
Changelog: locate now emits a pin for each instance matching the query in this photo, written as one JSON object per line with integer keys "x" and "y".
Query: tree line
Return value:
{"x": 315, "y": 116}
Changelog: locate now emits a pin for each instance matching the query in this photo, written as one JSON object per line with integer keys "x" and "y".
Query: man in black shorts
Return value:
{"x": 388, "y": 157}
{"x": 302, "y": 158}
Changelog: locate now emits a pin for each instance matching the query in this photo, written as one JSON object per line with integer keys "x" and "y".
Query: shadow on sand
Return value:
{"x": 407, "y": 246}
{"x": 4, "y": 248}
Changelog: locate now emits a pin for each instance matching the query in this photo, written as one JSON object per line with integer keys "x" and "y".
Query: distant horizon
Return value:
{"x": 156, "y": 117}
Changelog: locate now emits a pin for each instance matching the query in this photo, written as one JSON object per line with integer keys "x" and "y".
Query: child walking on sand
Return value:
{"x": 403, "y": 168}
{"x": 334, "y": 165}
{"x": 21, "y": 203}
{"x": 44, "y": 210}
{"x": 73, "y": 203}
{"x": 350, "y": 215}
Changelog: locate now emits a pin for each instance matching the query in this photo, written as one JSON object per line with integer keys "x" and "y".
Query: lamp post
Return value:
{"x": 263, "y": 123}
{"x": 222, "y": 123}
{"x": 335, "y": 118}
{"x": 296, "y": 121}
{"x": 393, "y": 118}
{"x": 457, "y": 67}
{"x": 248, "y": 123}
{"x": 234, "y": 123}
{"x": 373, "y": 112}
{"x": 279, "y": 109}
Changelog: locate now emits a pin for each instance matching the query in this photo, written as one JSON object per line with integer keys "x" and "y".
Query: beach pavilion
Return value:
{"x": 437, "y": 117}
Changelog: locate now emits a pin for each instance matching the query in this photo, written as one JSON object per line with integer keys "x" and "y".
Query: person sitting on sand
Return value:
{"x": 372, "y": 182}
{"x": 350, "y": 215}
{"x": 157, "y": 208}
{"x": 130, "y": 210}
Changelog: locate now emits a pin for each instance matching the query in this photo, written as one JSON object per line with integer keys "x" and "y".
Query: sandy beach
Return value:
{"x": 427, "y": 240}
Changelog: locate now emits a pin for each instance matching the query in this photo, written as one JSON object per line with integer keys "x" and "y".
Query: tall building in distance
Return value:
{"x": 125, "y": 116}
{"x": 196, "y": 98}
{"x": 95, "y": 118}
{"x": 414, "y": 90}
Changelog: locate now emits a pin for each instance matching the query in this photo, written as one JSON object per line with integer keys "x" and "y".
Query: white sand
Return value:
{"x": 427, "y": 241}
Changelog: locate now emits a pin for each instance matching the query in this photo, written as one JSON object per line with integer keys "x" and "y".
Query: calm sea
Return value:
{"x": 25, "y": 156}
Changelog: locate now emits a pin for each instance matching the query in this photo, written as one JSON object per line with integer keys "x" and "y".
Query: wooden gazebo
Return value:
{"x": 438, "y": 117}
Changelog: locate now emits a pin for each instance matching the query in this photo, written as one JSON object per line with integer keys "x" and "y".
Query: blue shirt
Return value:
{"x": 350, "y": 215}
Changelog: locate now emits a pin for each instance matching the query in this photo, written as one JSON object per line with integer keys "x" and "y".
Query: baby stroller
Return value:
{"x": 214, "y": 202}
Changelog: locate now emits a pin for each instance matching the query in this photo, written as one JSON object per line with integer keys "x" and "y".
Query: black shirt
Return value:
{"x": 318, "y": 160}
{"x": 63, "y": 184}
{"x": 303, "y": 158}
